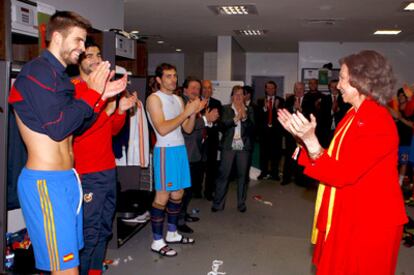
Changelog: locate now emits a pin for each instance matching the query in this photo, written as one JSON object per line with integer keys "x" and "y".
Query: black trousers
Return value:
{"x": 270, "y": 151}
{"x": 99, "y": 190}
{"x": 241, "y": 159}
{"x": 196, "y": 172}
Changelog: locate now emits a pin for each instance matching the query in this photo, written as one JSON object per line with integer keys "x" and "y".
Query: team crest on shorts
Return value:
{"x": 88, "y": 197}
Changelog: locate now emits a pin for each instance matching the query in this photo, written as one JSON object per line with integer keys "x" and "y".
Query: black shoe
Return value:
{"x": 275, "y": 177}
{"x": 197, "y": 196}
{"x": 285, "y": 182}
{"x": 185, "y": 229}
{"x": 261, "y": 176}
{"x": 189, "y": 218}
{"x": 208, "y": 197}
{"x": 242, "y": 209}
{"x": 213, "y": 209}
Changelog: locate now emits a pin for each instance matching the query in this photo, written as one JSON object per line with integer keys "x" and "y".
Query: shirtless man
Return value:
{"x": 47, "y": 115}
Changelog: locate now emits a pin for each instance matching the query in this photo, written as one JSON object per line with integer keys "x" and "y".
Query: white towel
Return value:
{"x": 138, "y": 146}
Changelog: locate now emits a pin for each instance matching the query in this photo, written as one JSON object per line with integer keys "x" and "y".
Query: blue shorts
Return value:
{"x": 403, "y": 154}
{"x": 51, "y": 203}
{"x": 171, "y": 168}
{"x": 411, "y": 151}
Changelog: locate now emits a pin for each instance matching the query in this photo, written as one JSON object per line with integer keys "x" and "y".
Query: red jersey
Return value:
{"x": 93, "y": 149}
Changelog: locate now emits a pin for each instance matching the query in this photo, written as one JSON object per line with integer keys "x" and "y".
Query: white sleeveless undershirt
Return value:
{"x": 172, "y": 107}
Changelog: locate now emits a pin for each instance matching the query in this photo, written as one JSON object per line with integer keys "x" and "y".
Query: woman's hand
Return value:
{"x": 302, "y": 129}
{"x": 284, "y": 117}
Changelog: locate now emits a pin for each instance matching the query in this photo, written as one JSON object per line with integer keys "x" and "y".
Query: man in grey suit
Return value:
{"x": 194, "y": 144}
{"x": 237, "y": 125}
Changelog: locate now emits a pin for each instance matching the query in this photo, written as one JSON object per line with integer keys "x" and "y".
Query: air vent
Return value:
{"x": 324, "y": 21}
{"x": 234, "y": 9}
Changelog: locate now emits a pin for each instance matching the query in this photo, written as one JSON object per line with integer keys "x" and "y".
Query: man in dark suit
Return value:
{"x": 271, "y": 132}
{"x": 236, "y": 124}
{"x": 212, "y": 141}
{"x": 333, "y": 109}
{"x": 312, "y": 100}
{"x": 290, "y": 167}
{"x": 249, "y": 101}
{"x": 194, "y": 143}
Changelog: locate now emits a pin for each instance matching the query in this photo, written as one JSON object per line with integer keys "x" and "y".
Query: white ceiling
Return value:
{"x": 193, "y": 27}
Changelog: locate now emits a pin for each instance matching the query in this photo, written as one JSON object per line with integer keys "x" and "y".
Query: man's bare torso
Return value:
{"x": 45, "y": 153}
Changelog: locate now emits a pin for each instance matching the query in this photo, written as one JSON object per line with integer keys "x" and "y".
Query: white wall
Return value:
{"x": 401, "y": 56}
{"x": 273, "y": 64}
{"x": 193, "y": 65}
{"x": 176, "y": 59}
{"x": 103, "y": 14}
{"x": 210, "y": 65}
{"x": 238, "y": 61}
{"x": 224, "y": 53}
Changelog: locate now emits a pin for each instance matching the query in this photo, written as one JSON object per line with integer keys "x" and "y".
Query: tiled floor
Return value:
{"x": 264, "y": 240}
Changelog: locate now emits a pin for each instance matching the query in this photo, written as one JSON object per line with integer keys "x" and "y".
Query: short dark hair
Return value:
{"x": 248, "y": 90}
{"x": 371, "y": 74}
{"x": 401, "y": 91}
{"x": 236, "y": 88}
{"x": 159, "y": 71}
{"x": 271, "y": 82}
{"x": 62, "y": 21}
{"x": 89, "y": 42}
{"x": 190, "y": 79}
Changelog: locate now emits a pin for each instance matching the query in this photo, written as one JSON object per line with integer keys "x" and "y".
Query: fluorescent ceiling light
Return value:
{"x": 409, "y": 7}
{"x": 160, "y": 41}
{"x": 178, "y": 50}
{"x": 251, "y": 32}
{"x": 387, "y": 32}
{"x": 234, "y": 9}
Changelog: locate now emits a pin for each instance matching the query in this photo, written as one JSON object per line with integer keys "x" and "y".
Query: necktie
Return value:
{"x": 297, "y": 104}
{"x": 270, "y": 112}
{"x": 335, "y": 104}
{"x": 203, "y": 131}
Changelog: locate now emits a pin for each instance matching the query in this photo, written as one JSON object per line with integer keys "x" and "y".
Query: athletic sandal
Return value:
{"x": 166, "y": 251}
{"x": 184, "y": 240}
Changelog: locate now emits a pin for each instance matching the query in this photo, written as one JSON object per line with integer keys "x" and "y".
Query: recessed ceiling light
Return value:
{"x": 134, "y": 32}
{"x": 387, "y": 32}
{"x": 251, "y": 32}
{"x": 234, "y": 9}
{"x": 409, "y": 7}
{"x": 178, "y": 50}
{"x": 160, "y": 41}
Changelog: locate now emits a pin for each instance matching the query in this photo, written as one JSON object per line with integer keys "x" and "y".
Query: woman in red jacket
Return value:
{"x": 351, "y": 233}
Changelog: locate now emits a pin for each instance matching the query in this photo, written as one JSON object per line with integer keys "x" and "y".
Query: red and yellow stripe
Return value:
{"x": 141, "y": 135}
{"x": 49, "y": 225}
{"x": 336, "y": 144}
{"x": 162, "y": 170}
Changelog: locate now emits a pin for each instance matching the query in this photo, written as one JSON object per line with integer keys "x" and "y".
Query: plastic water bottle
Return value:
{"x": 9, "y": 259}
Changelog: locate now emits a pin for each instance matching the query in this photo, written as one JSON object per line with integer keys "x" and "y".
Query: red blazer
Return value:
{"x": 362, "y": 171}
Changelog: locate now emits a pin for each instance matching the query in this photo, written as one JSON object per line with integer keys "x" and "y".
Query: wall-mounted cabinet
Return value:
{"x": 24, "y": 48}
{"x": 137, "y": 65}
